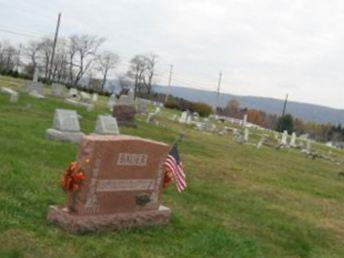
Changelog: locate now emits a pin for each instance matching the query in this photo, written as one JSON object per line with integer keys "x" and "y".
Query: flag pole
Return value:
{"x": 178, "y": 139}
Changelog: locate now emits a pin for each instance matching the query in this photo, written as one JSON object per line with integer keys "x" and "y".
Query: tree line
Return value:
{"x": 79, "y": 61}
{"x": 320, "y": 132}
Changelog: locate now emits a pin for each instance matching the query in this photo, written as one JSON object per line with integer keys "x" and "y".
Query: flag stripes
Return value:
{"x": 175, "y": 166}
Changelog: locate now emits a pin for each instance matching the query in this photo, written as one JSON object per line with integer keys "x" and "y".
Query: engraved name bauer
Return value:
{"x": 132, "y": 159}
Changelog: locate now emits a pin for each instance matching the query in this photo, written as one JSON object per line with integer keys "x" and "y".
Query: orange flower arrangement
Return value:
{"x": 167, "y": 178}
{"x": 72, "y": 177}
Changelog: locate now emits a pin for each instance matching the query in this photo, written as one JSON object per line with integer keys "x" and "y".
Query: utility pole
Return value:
{"x": 169, "y": 83}
{"x": 218, "y": 91}
{"x": 54, "y": 46}
{"x": 285, "y": 105}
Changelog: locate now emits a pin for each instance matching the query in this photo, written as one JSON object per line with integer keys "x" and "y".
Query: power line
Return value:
{"x": 18, "y": 33}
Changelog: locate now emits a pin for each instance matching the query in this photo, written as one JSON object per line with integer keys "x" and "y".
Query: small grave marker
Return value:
{"x": 65, "y": 126}
{"x": 106, "y": 125}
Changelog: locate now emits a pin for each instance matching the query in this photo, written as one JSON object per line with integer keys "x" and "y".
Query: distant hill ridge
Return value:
{"x": 308, "y": 112}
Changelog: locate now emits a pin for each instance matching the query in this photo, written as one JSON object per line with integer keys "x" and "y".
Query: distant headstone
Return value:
{"x": 284, "y": 138}
{"x": 14, "y": 96}
{"x": 111, "y": 102}
{"x": 189, "y": 119}
{"x": 73, "y": 93}
{"x": 94, "y": 97}
{"x": 35, "y": 89}
{"x": 89, "y": 106}
{"x": 126, "y": 100}
{"x": 125, "y": 115}
{"x": 245, "y": 119}
{"x": 261, "y": 142}
{"x": 157, "y": 110}
{"x": 308, "y": 145}
{"x": 238, "y": 137}
{"x": 142, "y": 107}
{"x": 85, "y": 97}
{"x": 65, "y": 126}
{"x": 151, "y": 119}
{"x": 246, "y": 134}
{"x": 122, "y": 187}
{"x": 57, "y": 90}
{"x": 183, "y": 117}
{"x": 35, "y": 75}
{"x": 106, "y": 125}
{"x": 195, "y": 116}
{"x": 174, "y": 117}
{"x": 293, "y": 140}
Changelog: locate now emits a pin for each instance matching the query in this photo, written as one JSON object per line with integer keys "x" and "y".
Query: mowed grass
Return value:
{"x": 240, "y": 202}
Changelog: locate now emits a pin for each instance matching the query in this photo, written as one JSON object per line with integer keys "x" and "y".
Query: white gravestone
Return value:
{"x": 157, "y": 111}
{"x": 95, "y": 97}
{"x": 245, "y": 119}
{"x": 284, "y": 137}
{"x": 174, "y": 117}
{"x": 13, "y": 94}
{"x": 189, "y": 119}
{"x": 35, "y": 75}
{"x": 85, "y": 97}
{"x": 142, "y": 107}
{"x": 111, "y": 102}
{"x": 261, "y": 142}
{"x": 126, "y": 100}
{"x": 57, "y": 90}
{"x": 183, "y": 117}
{"x": 293, "y": 140}
{"x": 73, "y": 93}
{"x": 35, "y": 89}
{"x": 106, "y": 125}
{"x": 66, "y": 126}
{"x": 89, "y": 106}
{"x": 308, "y": 146}
{"x": 246, "y": 134}
{"x": 151, "y": 118}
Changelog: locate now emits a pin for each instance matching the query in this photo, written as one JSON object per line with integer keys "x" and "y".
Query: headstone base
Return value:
{"x": 54, "y": 134}
{"x": 36, "y": 95}
{"x": 88, "y": 106}
{"x": 79, "y": 224}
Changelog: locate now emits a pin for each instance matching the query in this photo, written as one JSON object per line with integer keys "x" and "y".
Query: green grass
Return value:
{"x": 240, "y": 202}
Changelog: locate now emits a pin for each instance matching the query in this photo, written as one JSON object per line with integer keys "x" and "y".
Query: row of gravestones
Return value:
{"x": 128, "y": 100}
{"x": 66, "y": 126}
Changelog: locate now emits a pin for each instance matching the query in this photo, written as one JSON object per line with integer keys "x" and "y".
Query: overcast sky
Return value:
{"x": 263, "y": 47}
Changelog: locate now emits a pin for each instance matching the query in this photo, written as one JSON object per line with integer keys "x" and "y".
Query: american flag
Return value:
{"x": 174, "y": 165}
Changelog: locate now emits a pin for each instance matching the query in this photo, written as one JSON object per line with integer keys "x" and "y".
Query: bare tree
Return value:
{"x": 107, "y": 61}
{"x": 82, "y": 53}
{"x": 45, "y": 51}
{"x": 8, "y": 56}
{"x": 60, "y": 68}
{"x": 142, "y": 71}
{"x": 32, "y": 51}
{"x": 151, "y": 61}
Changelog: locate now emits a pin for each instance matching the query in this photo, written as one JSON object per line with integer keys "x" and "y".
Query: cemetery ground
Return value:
{"x": 240, "y": 202}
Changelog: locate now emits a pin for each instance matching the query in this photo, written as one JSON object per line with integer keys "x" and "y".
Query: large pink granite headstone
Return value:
{"x": 122, "y": 189}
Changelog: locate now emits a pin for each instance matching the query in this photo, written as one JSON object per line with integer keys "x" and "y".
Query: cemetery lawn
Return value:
{"x": 240, "y": 202}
